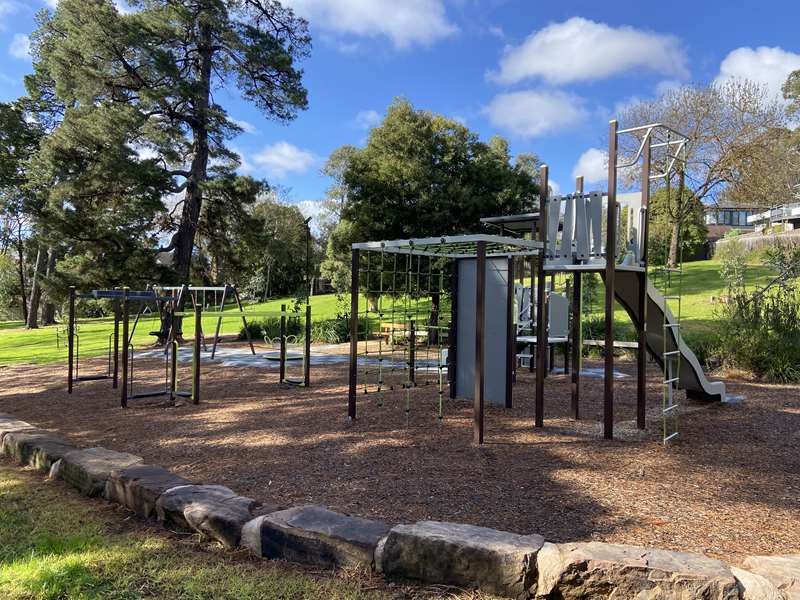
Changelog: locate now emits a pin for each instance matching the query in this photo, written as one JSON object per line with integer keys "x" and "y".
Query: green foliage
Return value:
{"x": 759, "y": 331}
{"x": 9, "y": 288}
{"x": 732, "y": 257}
{"x": 665, "y": 214}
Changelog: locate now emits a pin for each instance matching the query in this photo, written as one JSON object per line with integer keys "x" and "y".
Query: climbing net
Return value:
{"x": 404, "y": 327}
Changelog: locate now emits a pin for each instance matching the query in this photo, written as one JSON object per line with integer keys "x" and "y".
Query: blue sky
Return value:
{"x": 546, "y": 75}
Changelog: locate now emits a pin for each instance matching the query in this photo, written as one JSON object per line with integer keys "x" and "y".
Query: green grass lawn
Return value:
{"x": 701, "y": 282}
{"x": 57, "y": 545}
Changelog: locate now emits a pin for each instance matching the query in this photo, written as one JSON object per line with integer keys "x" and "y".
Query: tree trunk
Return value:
{"x": 36, "y": 288}
{"x": 193, "y": 200}
{"x": 49, "y": 310}
{"x": 21, "y": 270}
{"x": 674, "y": 240}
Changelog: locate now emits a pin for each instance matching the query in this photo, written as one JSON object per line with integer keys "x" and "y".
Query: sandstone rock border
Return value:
{"x": 498, "y": 562}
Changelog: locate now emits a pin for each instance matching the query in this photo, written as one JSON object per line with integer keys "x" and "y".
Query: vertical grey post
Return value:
{"x": 219, "y": 321}
{"x": 71, "y": 339}
{"x": 412, "y": 353}
{"x": 198, "y": 324}
{"x": 307, "y": 360}
{"x": 244, "y": 320}
{"x": 541, "y": 304}
{"x": 480, "y": 324}
{"x": 611, "y": 264}
{"x": 452, "y": 334}
{"x": 125, "y": 348}
{"x": 641, "y": 358}
{"x": 577, "y": 330}
{"x": 282, "y": 375}
{"x": 351, "y": 397}
{"x": 511, "y": 336}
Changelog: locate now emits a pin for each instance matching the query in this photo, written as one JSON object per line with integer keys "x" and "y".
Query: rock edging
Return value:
{"x": 467, "y": 556}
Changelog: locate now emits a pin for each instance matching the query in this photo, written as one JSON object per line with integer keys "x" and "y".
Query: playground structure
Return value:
{"x": 595, "y": 232}
{"x": 162, "y": 304}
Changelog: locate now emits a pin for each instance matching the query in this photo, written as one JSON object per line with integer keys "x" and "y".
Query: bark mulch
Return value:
{"x": 728, "y": 488}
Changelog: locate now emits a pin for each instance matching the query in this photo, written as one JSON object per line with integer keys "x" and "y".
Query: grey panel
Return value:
{"x": 495, "y": 336}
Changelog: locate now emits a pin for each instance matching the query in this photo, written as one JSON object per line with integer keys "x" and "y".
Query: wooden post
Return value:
{"x": 641, "y": 358}
{"x": 541, "y": 303}
{"x": 125, "y": 348}
{"x": 196, "y": 349}
{"x": 480, "y": 324}
{"x": 452, "y": 334}
{"x": 115, "y": 378}
{"x": 351, "y": 397}
{"x": 611, "y": 264}
{"x": 577, "y": 315}
{"x": 283, "y": 344}
{"x": 307, "y": 360}
{"x": 71, "y": 340}
{"x": 511, "y": 341}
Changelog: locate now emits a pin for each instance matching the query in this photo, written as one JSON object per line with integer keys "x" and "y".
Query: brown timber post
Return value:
{"x": 641, "y": 358}
{"x": 307, "y": 358}
{"x": 611, "y": 264}
{"x": 511, "y": 341}
{"x": 577, "y": 315}
{"x": 480, "y": 324}
{"x": 282, "y": 375}
{"x": 115, "y": 378}
{"x": 125, "y": 349}
{"x": 351, "y": 397}
{"x": 541, "y": 305}
{"x": 71, "y": 340}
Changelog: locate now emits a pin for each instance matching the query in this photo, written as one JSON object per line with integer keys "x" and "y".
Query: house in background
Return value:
{"x": 787, "y": 215}
{"x": 723, "y": 218}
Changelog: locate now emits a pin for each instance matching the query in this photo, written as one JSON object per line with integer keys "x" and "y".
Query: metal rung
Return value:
{"x": 671, "y": 325}
{"x": 670, "y": 436}
{"x": 673, "y": 297}
{"x": 671, "y": 353}
{"x": 673, "y": 380}
{"x": 669, "y": 408}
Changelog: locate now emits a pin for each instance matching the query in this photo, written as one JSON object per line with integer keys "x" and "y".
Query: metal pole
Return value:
{"x": 219, "y": 321}
{"x": 577, "y": 330}
{"x": 244, "y": 320}
{"x": 125, "y": 348}
{"x": 611, "y": 264}
{"x": 412, "y": 353}
{"x": 511, "y": 334}
{"x": 196, "y": 356}
{"x": 541, "y": 304}
{"x": 480, "y": 323}
{"x": 351, "y": 396}
{"x": 641, "y": 358}
{"x": 71, "y": 339}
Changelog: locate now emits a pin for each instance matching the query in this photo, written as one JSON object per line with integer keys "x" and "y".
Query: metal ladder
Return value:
{"x": 672, "y": 280}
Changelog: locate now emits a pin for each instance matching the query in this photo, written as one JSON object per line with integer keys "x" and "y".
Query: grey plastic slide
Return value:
{"x": 692, "y": 378}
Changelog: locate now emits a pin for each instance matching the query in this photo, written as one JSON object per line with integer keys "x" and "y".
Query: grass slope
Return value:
{"x": 57, "y": 545}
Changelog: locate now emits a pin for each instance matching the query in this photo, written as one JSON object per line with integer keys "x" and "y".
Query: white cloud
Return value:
{"x": 582, "y": 50}
{"x": 593, "y": 165}
{"x": 246, "y": 126}
{"x": 555, "y": 187}
{"x": 282, "y": 158}
{"x": 51, "y": 3}
{"x": 405, "y": 23}
{"x": 367, "y": 119}
{"x": 8, "y": 7}
{"x": 20, "y": 46}
{"x": 530, "y": 114}
{"x": 769, "y": 67}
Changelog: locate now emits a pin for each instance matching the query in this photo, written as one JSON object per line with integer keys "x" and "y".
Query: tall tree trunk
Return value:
{"x": 674, "y": 240}
{"x": 36, "y": 288}
{"x": 49, "y": 310}
{"x": 21, "y": 271}
{"x": 193, "y": 200}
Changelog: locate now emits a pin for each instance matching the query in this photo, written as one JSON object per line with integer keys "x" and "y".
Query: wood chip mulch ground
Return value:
{"x": 728, "y": 488}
